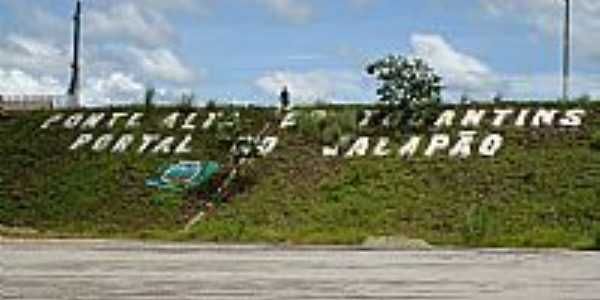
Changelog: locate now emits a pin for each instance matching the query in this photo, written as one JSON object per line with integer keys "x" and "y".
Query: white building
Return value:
{"x": 29, "y": 102}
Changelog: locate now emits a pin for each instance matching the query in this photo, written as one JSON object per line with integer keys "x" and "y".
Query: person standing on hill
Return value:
{"x": 284, "y": 99}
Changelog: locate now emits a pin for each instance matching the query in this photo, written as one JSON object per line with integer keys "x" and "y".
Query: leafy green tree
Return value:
{"x": 408, "y": 86}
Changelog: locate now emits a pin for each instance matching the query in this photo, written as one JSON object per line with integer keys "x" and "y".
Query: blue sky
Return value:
{"x": 248, "y": 49}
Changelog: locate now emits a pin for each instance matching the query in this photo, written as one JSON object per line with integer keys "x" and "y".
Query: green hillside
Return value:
{"x": 541, "y": 190}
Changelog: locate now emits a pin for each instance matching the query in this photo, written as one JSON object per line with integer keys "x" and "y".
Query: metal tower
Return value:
{"x": 74, "y": 93}
{"x": 567, "y": 52}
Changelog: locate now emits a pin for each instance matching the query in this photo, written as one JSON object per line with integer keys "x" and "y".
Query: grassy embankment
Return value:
{"x": 542, "y": 190}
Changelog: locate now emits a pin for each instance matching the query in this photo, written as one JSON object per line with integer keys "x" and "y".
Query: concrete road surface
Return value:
{"x": 130, "y": 270}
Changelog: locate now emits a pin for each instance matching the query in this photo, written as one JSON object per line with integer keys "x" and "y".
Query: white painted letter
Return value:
{"x": 55, "y": 118}
{"x": 360, "y": 147}
{"x": 522, "y": 118}
{"x": 446, "y": 119}
{"x": 102, "y": 142}
{"x": 210, "y": 121}
{"x": 439, "y": 142}
{"x": 544, "y": 117}
{"x": 366, "y": 120}
{"x": 92, "y": 121}
{"x": 462, "y": 149}
{"x": 267, "y": 145}
{"x": 184, "y": 146}
{"x": 501, "y": 115}
{"x": 115, "y": 118}
{"x": 164, "y": 146}
{"x": 573, "y": 118}
{"x": 473, "y": 118}
{"x": 123, "y": 143}
{"x": 288, "y": 121}
{"x": 409, "y": 149}
{"x": 491, "y": 145}
{"x": 83, "y": 139}
{"x": 73, "y": 121}
{"x": 329, "y": 151}
{"x": 189, "y": 122}
{"x": 134, "y": 121}
{"x": 148, "y": 139}
{"x": 382, "y": 149}
{"x": 170, "y": 121}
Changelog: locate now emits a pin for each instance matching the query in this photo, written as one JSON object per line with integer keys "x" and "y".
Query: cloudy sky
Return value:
{"x": 248, "y": 49}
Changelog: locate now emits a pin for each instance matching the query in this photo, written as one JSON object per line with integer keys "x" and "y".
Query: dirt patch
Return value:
{"x": 396, "y": 243}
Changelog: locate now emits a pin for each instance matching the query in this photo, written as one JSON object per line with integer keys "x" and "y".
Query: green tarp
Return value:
{"x": 185, "y": 175}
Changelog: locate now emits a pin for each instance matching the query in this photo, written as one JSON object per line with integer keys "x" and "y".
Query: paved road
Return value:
{"x": 126, "y": 270}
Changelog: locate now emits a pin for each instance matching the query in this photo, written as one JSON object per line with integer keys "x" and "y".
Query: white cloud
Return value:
{"x": 178, "y": 6}
{"x": 464, "y": 73}
{"x": 18, "y": 82}
{"x": 294, "y": 10}
{"x": 548, "y": 86}
{"x": 115, "y": 88}
{"x": 34, "y": 47}
{"x": 34, "y": 66}
{"x": 161, "y": 64}
{"x": 302, "y": 11}
{"x": 127, "y": 21}
{"x": 33, "y": 55}
{"x": 460, "y": 71}
{"x": 121, "y": 37}
{"x": 547, "y": 16}
{"x": 314, "y": 85}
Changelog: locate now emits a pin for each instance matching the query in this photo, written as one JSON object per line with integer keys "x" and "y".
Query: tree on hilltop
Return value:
{"x": 408, "y": 86}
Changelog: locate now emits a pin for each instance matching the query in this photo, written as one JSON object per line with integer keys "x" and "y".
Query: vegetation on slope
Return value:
{"x": 541, "y": 191}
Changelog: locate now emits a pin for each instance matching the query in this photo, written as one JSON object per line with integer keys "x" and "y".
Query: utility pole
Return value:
{"x": 567, "y": 52}
{"x": 74, "y": 93}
